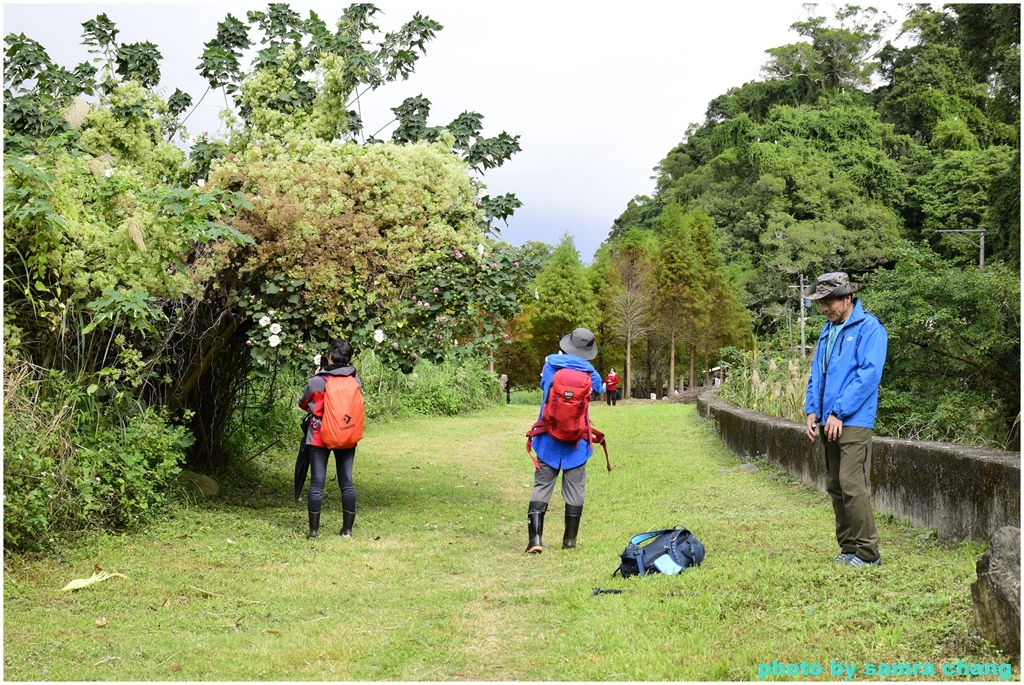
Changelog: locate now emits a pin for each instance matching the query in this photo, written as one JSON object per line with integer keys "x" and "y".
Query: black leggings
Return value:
{"x": 343, "y": 459}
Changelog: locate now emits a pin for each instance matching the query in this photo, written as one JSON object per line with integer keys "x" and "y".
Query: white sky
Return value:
{"x": 598, "y": 92}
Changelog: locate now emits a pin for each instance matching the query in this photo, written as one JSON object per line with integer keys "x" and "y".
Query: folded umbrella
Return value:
{"x": 302, "y": 460}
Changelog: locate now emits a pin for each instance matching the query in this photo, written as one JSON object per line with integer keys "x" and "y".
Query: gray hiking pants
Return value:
{"x": 573, "y": 484}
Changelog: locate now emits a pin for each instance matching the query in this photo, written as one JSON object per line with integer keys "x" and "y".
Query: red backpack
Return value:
{"x": 565, "y": 415}
{"x": 344, "y": 412}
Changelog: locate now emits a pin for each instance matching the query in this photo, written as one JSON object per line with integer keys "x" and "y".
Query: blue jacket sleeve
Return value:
{"x": 596, "y": 381}
{"x": 870, "y": 360}
{"x": 814, "y": 384}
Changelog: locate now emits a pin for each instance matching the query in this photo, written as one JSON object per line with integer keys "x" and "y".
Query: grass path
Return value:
{"x": 435, "y": 586}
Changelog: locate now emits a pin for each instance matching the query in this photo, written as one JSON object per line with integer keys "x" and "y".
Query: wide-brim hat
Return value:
{"x": 580, "y": 343}
{"x": 835, "y": 284}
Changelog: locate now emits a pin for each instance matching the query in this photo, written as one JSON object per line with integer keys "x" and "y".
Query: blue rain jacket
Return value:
{"x": 555, "y": 453}
{"x": 849, "y": 388}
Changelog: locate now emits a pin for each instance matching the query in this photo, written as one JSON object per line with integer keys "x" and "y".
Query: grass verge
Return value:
{"x": 435, "y": 585}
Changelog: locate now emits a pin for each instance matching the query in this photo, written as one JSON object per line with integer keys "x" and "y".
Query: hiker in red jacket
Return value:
{"x": 611, "y": 383}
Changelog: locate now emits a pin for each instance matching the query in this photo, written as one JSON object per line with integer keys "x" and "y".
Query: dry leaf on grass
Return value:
{"x": 100, "y": 622}
{"x": 98, "y": 575}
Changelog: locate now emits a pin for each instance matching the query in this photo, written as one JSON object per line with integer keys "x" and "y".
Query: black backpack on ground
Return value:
{"x": 669, "y": 551}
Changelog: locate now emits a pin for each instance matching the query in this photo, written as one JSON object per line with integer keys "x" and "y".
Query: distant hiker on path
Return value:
{"x": 843, "y": 391}
{"x": 334, "y": 399}
{"x": 572, "y": 376}
{"x": 611, "y": 382}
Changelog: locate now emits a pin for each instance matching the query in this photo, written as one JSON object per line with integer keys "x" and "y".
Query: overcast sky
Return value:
{"x": 599, "y": 92}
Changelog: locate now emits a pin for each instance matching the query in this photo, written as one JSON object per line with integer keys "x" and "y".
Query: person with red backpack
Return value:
{"x": 563, "y": 435}
{"x": 334, "y": 399}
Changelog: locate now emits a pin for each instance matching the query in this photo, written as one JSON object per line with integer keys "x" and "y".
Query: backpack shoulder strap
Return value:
{"x": 644, "y": 537}
{"x": 536, "y": 430}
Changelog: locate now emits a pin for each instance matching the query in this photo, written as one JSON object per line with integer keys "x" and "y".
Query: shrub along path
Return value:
{"x": 436, "y": 586}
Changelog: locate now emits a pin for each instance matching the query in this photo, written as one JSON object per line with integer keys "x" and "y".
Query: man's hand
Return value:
{"x": 833, "y": 428}
{"x": 812, "y": 419}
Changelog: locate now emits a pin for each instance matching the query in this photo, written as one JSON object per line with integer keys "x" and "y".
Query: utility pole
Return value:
{"x": 803, "y": 319}
{"x": 981, "y": 244}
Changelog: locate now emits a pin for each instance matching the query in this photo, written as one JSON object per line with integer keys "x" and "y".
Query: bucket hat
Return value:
{"x": 580, "y": 343}
{"x": 835, "y": 284}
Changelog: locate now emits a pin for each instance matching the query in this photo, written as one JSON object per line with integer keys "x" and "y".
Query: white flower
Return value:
{"x": 274, "y": 341}
{"x": 275, "y": 328}
{"x": 108, "y": 173}
{"x": 378, "y": 336}
{"x": 536, "y": 295}
{"x": 316, "y": 359}
{"x": 480, "y": 248}
{"x": 201, "y": 182}
{"x": 264, "y": 320}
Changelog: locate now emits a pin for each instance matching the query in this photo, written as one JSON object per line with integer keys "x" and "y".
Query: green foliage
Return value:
{"x": 446, "y": 388}
{"x": 532, "y": 398}
{"x": 766, "y": 381}
{"x": 565, "y": 300}
{"x": 380, "y": 245}
{"x": 836, "y": 56}
{"x": 72, "y": 463}
{"x": 953, "y": 368}
{"x": 956, "y": 194}
{"x": 147, "y": 272}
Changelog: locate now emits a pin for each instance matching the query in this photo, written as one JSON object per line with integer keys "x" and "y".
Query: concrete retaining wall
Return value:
{"x": 962, "y": 492}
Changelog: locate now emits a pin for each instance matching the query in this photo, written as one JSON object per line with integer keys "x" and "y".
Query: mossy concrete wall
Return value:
{"x": 962, "y": 492}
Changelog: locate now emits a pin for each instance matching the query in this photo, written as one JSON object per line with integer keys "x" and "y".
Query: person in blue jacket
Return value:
{"x": 577, "y": 349}
{"x": 841, "y": 402}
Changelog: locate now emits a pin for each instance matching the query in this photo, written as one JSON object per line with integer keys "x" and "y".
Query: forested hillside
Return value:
{"x": 851, "y": 154}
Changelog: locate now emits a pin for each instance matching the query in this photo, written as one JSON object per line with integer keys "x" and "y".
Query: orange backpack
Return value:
{"x": 344, "y": 413}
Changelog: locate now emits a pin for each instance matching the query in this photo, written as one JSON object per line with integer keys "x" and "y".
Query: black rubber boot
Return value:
{"x": 535, "y": 519}
{"x": 314, "y": 524}
{"x": 572, "y": 525}
{"x": 347, "y": 519}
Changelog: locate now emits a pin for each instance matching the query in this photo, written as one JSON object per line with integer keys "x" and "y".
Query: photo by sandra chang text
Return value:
{"x": 848, "y": 671}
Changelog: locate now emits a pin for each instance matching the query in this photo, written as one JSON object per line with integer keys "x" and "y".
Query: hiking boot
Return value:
{"x": 857, "y": 561}
{"x": 844, "y": 558}
{"x": 535, "y": 522}
{"x": 572, "y": 525}
{"x": 347, "y": 519}
{"x": 314, "y": 524}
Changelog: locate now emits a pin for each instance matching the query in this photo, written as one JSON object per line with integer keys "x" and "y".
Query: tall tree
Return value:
{"x": 565, "y": 300}
{"x": 718, "y": 316}
{"x": 677, "y": 279}
{"x": 632, "y": 300}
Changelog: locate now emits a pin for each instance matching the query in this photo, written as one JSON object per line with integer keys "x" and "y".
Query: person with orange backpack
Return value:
{"x": 334, "y": 400}
{"x": 563, "y": 436}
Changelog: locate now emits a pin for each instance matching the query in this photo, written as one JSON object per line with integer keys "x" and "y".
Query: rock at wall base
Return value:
{"x": 995, "y": 596}
{"x": 206, "y": 486}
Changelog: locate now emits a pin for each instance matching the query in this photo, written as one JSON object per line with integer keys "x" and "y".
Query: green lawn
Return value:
{"x": 435, "y": 585}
